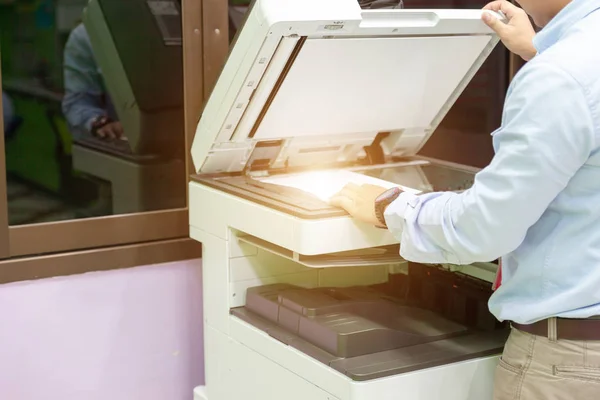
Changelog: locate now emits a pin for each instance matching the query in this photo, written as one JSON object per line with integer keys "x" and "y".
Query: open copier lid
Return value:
{"x": 311, "y": 83}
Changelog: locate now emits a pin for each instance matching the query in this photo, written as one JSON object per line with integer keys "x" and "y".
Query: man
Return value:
{"x": 537, "y": 205}
{"x": 86, "y": 105}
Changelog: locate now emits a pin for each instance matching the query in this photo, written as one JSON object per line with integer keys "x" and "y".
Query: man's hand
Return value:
{"x": 516, "y": 34}
{"x": 359, "y": 201}
{"x": 112, "y": 130}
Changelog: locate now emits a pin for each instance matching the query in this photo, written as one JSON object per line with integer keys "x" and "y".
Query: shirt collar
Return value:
{"x": 575, "y": 11}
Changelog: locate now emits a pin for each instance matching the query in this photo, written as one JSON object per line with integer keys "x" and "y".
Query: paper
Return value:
{"x": 325, "y": 184}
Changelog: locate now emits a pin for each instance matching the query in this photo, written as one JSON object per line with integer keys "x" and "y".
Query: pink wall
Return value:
{"x": 119, "y": 335}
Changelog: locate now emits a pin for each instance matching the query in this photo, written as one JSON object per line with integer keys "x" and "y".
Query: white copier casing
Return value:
{"x": 313, "y": 85}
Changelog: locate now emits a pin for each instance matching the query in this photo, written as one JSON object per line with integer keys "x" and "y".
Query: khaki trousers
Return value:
{"x": 539, "y": 368}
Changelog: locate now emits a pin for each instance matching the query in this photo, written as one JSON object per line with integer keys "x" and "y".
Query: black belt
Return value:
{"x": 567, "y": 329}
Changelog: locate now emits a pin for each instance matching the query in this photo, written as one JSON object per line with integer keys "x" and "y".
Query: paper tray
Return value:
{"x": 357, "y": 258}
{"x": 362, "y": 332}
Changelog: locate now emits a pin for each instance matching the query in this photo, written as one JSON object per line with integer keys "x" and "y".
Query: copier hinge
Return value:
{"x": 263, "y": 156}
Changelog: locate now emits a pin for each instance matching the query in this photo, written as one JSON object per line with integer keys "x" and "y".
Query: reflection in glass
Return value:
{"x": 95, "y": 123}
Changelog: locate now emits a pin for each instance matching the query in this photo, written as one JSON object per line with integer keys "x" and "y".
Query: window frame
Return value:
{"x": 4, "y": 239}
{"x": 201, "y": 32}
{"x": 205, "y": 50}
{"x": 99, "y": 259}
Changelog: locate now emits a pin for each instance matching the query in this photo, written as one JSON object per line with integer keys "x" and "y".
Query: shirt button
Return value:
{"x": 413, "y": 201}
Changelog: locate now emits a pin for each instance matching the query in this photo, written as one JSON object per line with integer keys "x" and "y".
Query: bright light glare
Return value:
{"x": 325, "y": 184}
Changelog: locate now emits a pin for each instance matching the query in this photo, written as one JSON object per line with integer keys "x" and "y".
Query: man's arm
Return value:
{"x": 83, "y": 100}
{"x": 547, "y": 135}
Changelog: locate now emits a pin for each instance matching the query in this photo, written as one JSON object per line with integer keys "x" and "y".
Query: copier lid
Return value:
{"x": 312, "y": 83}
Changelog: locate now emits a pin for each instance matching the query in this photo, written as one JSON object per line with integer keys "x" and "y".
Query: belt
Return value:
{"x": 567, "y": 329}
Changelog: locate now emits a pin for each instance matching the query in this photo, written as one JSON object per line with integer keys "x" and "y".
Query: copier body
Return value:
{"x": 300, "y": 300}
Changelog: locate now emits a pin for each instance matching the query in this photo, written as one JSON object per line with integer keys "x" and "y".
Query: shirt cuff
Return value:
{"x": 395, "y": 213}
{"x": 88, "y": 124}
{"x": 401, "y": 217}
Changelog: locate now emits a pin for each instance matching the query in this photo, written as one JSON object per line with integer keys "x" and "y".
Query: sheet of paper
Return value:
{"x": 325, "y": 184}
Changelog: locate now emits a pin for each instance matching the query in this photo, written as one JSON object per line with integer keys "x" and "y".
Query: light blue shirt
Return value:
{"x": 537, "y": 205}
{"x": 85, "y": 96}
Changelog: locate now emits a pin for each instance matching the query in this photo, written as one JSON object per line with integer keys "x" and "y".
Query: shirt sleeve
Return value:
{"x": 547, "y": 135}
{"x": 83, "y": 100}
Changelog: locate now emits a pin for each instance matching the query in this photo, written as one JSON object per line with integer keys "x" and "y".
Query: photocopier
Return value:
{"x": 301, "y": 301}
